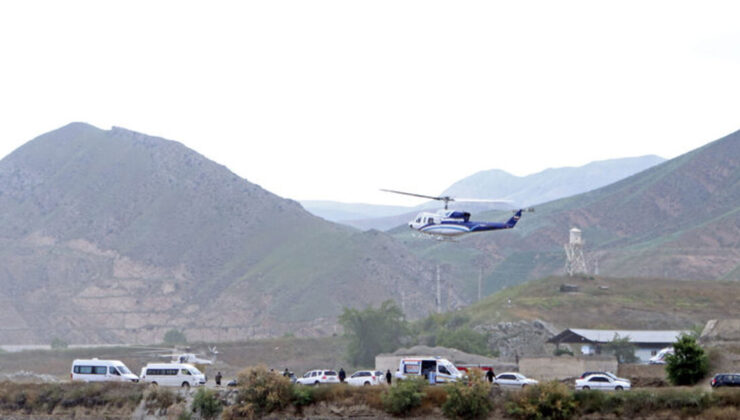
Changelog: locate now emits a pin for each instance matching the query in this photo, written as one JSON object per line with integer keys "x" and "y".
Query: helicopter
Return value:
{"x": 181, "y": 354}
{"x": 451, "y": 223}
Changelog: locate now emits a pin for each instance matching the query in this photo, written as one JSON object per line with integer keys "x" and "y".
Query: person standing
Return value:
{"x": 342, "y": 375}
{"x": 388, "y": 376}
{"x": 489, "y": 375}
{"x": 218, "y": 379}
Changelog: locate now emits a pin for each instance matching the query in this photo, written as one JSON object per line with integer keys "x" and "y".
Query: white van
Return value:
{"x": 660, "y": 357}
{"x": 442, "y": 369}
{"x": 95, "y": 370}
{"x": 172, "y": 374}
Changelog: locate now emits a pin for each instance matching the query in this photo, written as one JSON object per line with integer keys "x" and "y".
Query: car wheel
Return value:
{"x": 185, "y": 385}
{"x": 586, "y": 388}
{"x": 618, "y": 388}
{"x": 524, "y": 385}
{"x": 316, "y": 383}
{"x": 367, "y": 383}
{"x": 154, "y": 384}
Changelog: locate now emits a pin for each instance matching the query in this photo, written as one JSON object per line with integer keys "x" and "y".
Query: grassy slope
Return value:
{"x": 627, "y": 303}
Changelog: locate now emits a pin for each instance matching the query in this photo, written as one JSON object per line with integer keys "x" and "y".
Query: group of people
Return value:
{"x": 342, "y": 376}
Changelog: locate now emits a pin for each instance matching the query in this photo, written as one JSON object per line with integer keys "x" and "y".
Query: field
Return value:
{"x": 297, "y": 354}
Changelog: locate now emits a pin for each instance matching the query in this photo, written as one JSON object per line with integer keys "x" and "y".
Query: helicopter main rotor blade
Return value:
{"x": 420, "y": 195}
{"x": 483, "y": 200}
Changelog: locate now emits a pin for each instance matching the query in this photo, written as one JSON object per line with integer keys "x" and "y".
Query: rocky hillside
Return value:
{"x": 679, "y": 219}
{"x": 115, "y": 236}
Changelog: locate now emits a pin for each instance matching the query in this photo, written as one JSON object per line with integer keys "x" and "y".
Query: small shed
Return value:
{"x": 647, "y": 342}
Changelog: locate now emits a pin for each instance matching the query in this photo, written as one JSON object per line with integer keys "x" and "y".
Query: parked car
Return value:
{"x": 609, "y": 374}
{"x": 601, "y": 382}
{"x": 96, "y": 370}
{"x": 317, "y": 377}
{"x": 513, "y": 380}
{"x": 659, "y": 358}
{"x": 364, "y": 378}
{"x": 726, "y": 379}
{"x": 172, "y": 374}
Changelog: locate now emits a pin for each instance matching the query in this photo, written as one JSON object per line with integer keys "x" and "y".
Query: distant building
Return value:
{"x": 647, "y": 342}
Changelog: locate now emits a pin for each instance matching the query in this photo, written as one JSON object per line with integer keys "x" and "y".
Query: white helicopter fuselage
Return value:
{"x": 456, "y": 223}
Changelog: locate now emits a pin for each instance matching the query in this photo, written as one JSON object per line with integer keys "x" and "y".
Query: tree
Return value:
{"x": 173, "y": 337}
{"x": 689, "y": 362}
{"x": 464, "y": 339}
{"x": 373, "y": 331}
{"x": 57, "y": 343}
{"x": 622, "y": 349}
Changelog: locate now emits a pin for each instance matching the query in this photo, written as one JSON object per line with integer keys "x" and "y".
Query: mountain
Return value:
{"x": 679, "y": 219}
{"x": 116, "y": 236}
{"x": 548, "y": 185}
{"x": 342, "y": 212}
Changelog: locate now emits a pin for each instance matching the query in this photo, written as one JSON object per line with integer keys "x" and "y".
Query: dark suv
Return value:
{"x": 726, "y": 379}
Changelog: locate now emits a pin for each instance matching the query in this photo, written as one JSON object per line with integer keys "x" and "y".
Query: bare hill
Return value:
{"x": 115, "y": 236}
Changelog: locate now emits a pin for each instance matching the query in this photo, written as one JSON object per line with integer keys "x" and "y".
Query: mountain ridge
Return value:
{"x": 120, "y": 236}
{"x": 524, "y": 191}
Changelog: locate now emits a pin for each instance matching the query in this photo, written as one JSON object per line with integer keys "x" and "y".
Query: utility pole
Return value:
{"x": 439, "y": 293}
{"x": 480, "y": 284}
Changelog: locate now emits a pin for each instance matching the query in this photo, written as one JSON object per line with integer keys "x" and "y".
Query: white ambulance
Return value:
{"x": 96, "y": 370}
{"x": 442, "y": 370}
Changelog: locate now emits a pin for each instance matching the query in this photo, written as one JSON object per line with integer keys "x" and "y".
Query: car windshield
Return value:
{"x": 453, "y": 370}
{"x": 194, "y": 371}
{"x": 123, "y": 369}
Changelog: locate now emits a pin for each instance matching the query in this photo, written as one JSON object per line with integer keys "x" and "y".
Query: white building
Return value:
{"x": 647, "y": 342}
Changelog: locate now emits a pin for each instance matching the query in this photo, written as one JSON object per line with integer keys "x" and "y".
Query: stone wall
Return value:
{"x": 635, "y": 371}
{"x": 562, "y": 367}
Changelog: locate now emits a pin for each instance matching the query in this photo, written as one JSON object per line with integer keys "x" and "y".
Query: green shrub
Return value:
{"x": 58, "y": 344}
{"x": 302, "y": 396}
{"x": 264, "y": 391}
{"x": 404, "y": 396}
{"x": 549, "y": 400}
{"x": 562, "y": 351}
{"x": 173, "y": 337}
{"x": 686, "y": 400}
{"x": 468, "y": 399}
{"x": 206, "y": 403}
{"x": 689, "y": 363}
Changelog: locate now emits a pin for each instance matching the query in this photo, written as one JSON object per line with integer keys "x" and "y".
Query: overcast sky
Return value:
{"x": 336, "y": 99}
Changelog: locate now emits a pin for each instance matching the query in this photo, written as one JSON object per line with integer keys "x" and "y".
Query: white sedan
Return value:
{"x": 602, "y": 383}
{"x": 513, "y": 380}
{"x": 363, "y": 378}
{"x": 316, "y": 377}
